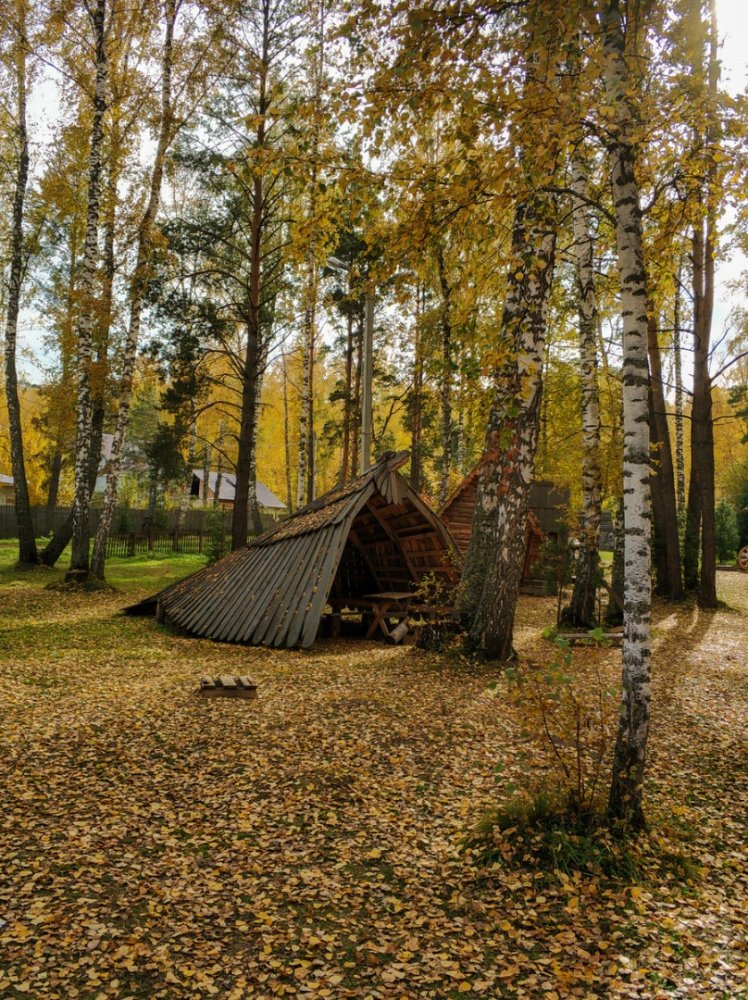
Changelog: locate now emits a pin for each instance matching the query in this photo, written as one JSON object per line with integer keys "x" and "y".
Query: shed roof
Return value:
{"x": 265, "y": 497}
{"x": 6, "y": 480}
{"x": 369, "y": 535}
{"x": 546, "y": 515}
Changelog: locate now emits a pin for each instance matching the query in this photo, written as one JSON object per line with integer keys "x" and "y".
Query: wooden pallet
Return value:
{"x": 227, "y": 686}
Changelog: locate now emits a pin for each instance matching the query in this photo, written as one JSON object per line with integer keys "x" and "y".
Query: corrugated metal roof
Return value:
{"x": 265, "y": 497}
{"x": 274, "y": 591}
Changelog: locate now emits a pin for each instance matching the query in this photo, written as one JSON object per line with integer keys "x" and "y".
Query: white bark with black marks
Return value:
{"x": 490, "y": 585}
{"x": 79, "y": 558}
{"x": 625, "y": 801}
{"x": 138, "y": 290}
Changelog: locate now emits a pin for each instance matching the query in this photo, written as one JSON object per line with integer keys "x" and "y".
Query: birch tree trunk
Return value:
{"x": 625, "y": 800}
{"x": 581, "y": 613}
{"x": 138, "y": 290}
{"x": 27, "y": 552}
{"x": 79, "y": 557}
{"x": 490, "y": 584}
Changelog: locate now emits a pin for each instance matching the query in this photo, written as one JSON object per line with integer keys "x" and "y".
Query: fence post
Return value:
{"x": 131, "y": 544}
{"x": 150, "y": 538}
{"x": 175, "y": 540}
{"x": 200, "y": 541}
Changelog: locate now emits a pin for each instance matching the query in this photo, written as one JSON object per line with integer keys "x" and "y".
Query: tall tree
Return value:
{"x": 700, "y": 22}
{"x": 18, "y": 23}
{"x": 582, "y": 610}
{"x": 490, "y": 584}
{"x": 138, "y": 289}
{"x": 80, "y": 555}
{"x": 625, "y": 800}
{"x": 664, "y": 506}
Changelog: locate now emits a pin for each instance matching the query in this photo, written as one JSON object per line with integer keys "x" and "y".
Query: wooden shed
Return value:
{"x": 545, "y": 519}
{"x": 365, "y": 540}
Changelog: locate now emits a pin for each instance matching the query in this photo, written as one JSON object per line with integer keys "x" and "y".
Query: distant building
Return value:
{"x": 266, "y": 499}
{"x": 7, "y": 490}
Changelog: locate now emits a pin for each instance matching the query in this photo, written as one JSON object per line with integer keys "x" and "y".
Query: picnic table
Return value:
{"x": 384, "y": 605}
{"x": 389, "y": 602}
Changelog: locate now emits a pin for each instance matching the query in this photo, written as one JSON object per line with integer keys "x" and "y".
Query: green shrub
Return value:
{"x": 726, "y": 530}
{"x": 215, "y": 524}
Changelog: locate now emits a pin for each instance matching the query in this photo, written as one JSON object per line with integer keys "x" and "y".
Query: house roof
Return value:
{"x": 6, "y": 480}
{"x": 265, "y": 497}
{"x": 372, "y": 534}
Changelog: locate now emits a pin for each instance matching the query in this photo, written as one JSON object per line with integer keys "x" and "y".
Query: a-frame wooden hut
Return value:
{"x": 373, "y": 535}
{"x": 544, "y": 519}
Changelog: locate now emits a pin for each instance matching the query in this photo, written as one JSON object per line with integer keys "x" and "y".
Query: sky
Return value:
{"x": 732, "y": 19}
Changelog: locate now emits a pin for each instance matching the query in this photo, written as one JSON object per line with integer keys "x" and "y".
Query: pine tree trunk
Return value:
{"x": 252, "y": 358}
{"x": 416, "y": 416}
{"x": 206, "y": 474}
{"x": 680, "y": 463}
{"x": 138, "y": 291}
{"x": 254, "y": 519}
{"x": 702, "y": 433}
{"x": 79, "y": 557}
{"x": 356, "y": 406}
{"x": 287, "y": 438}
{"x": 490, "y": 584}
{"x": 581, "y": 614}
{"x": 669, "y": 577}
{"x": 625, "y": 800}
{"x": 306, "y": 418}
{"x": 27, "y": 552}
{"x": 445, "y": 379}
{"x": 55, "y": 470}
{"x": 614, "y": 612}
{"x": 348, "y": 400}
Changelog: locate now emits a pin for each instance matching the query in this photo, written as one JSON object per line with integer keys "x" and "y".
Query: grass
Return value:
{"x": 156, "y": 845}
{"x": 150, "y": 571}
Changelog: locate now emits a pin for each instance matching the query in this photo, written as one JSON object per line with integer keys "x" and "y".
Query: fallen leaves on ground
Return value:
{"x": 307, "y": 843}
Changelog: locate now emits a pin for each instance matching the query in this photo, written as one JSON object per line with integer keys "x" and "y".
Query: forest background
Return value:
{"x": 364, "y": 192}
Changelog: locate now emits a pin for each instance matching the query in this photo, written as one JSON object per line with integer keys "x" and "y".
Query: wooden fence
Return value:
{"x": 195, "y": 530}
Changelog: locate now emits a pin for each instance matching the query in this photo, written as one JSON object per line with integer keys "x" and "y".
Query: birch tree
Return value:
{"x": 138, "y": 289}
{"x": 625, "y": 800}
{"x": 79, "y": 557}
{"x": 490, "y": 584}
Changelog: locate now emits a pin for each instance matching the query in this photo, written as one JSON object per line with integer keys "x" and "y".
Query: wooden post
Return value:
{"x": 131, "y": 544}
{"x": 150, "y": 538}
{"x": 175, "y": 540}
{"x": 200, "y": 541}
